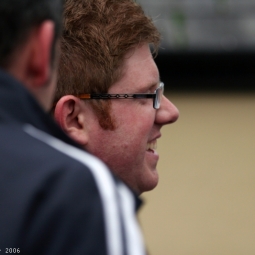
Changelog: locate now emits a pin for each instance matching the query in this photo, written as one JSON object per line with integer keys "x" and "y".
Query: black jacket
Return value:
{"x": 54, "y": 197}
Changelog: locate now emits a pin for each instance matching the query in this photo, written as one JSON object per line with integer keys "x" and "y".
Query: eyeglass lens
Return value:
{"x": 159, "y": 94}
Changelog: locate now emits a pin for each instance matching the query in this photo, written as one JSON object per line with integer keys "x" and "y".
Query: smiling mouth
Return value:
{"x": 152, "y": 146}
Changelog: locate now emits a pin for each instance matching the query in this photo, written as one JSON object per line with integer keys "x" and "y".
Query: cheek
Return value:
{"x": 132, "y": 137}
{"x": 129, "y": 139}
{"x": 137, "y": 128}
{"x": 134, "y": 119}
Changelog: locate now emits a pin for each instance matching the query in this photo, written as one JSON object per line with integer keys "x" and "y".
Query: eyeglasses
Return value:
{"x": 157, "y": 95}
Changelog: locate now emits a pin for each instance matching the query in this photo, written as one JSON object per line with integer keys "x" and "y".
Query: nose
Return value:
{"x": 167, "y": 113}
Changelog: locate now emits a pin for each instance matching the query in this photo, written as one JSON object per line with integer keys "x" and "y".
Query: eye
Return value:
{"x": 154, "y": 87}
{"x": 151, "y": 90}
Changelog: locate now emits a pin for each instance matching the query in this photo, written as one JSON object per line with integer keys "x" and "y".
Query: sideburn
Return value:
{"x": 102, "y": 109}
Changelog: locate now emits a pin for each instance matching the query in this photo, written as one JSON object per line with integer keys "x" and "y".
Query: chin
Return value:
{"x": 149, "y": 185}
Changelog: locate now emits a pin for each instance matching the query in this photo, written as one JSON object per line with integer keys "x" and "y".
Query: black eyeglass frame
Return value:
{"x": 157, "y": 95}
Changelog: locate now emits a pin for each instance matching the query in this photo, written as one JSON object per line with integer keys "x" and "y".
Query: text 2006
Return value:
{"x": 12, "y": 250}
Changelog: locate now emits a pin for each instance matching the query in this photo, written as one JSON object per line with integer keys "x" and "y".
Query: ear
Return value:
{"x": 70, "y": 115}
{"x": 39, "y": 61}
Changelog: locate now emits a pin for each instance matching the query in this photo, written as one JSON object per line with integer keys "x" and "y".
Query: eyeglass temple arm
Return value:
{"x": 115, "y": 96}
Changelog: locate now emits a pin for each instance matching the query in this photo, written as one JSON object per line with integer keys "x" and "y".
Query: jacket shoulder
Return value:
{"x": 49, "y": 201}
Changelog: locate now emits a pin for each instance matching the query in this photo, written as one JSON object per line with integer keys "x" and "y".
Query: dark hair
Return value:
{"x": 17, "y": 17}
{"x": 97, "y": 35}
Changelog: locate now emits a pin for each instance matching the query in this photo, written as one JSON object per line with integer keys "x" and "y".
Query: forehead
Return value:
{"x": 139, "y": 71}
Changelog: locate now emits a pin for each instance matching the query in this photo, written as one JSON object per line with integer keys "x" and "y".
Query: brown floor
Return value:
{"x": 205, "y": 201}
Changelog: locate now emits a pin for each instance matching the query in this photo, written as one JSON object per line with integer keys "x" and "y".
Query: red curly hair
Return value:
{"x": 96, "y": 37}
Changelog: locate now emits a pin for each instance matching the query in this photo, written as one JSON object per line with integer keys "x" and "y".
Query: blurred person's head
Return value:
{"x": 28, "y": 44}
{"x": 106, "y": 49}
